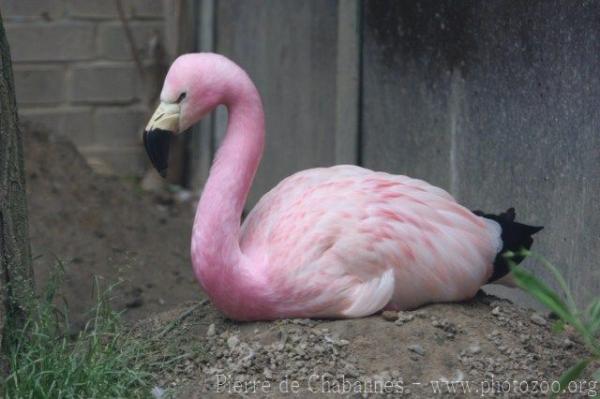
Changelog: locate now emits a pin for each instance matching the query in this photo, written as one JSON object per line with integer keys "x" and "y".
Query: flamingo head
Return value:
{"x": 194, "y": 86}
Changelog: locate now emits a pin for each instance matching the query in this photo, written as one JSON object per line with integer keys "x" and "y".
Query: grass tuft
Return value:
{"x": 586, "y": 322}
{"x": 103, "y": 360}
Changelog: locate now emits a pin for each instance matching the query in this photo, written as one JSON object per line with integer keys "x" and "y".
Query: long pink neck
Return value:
{"x": 215, "y": 242}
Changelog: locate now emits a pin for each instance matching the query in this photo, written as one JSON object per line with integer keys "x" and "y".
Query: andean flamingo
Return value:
{"x": 335, "y": 242}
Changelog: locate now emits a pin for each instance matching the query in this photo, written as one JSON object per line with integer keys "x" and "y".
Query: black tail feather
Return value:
{"x": 515, "y": 237}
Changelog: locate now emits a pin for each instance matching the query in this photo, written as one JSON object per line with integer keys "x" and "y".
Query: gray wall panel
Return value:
{"x": 289, "y": 49}
{"x": 497, "y": 102}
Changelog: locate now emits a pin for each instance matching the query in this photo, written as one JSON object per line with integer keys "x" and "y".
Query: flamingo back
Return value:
{"x": 347, "y": 242}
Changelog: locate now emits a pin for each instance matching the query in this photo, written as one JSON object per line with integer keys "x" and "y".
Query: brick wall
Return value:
{"x": 75, "y": 73}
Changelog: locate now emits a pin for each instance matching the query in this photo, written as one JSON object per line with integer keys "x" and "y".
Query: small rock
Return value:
{"x": 458, "y": 376}
{"x": 496, "y": 311}
{"x": 158, "y": 392}
{"x": 211, "y": 330}
{"x": 183, "y": 196}
{"x": 267, "y": 373}
{"x": 450, "y": 328}
{"x": 232, "y": 342}
{"x": 416, "y": 348}
{"x": 404, "y": 317}
{"x": 474, "y": 349}
{"x": 390, "y": 315}
{"x": 538, "y": 319}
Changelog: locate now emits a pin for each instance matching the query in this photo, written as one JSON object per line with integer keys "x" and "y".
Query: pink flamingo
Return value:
{"x": 336, "y": 242}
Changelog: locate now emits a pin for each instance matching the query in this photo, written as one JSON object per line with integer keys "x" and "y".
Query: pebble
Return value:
{"x": 474, "y": 349}
{"x": 416, "y": 348}
{"x": 538, "y": 319}
{"x": 211, "y": 330}
{"x": 458, "y": 376}
{"x": 232, "y": 342}
{"x": 183, "y": 196}
{"x": 404, "y": 317}
{"x": 496, "y": 311}
{"x": 158, "y": 392}
{"x": 267, "y": 373}
{"x": 390, "y": 315}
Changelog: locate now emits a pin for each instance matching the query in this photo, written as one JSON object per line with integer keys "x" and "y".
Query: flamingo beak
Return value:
{"x": 157, "y": 135}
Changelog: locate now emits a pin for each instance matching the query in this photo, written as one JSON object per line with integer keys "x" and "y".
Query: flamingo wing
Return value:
{"x": 347, "y": 242}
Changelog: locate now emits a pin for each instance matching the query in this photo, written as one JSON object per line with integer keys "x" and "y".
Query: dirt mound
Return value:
{"x": 107, "y": 227}
{"x": 487, "y": 347}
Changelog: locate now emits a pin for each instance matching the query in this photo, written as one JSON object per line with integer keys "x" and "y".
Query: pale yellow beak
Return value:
{"x": 166, "y": 117}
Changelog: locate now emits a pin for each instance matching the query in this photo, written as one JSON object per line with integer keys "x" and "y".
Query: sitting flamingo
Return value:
{"x": 334, "y": 242}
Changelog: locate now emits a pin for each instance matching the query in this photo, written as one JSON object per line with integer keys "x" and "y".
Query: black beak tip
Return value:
{"x": 157, "y": 143}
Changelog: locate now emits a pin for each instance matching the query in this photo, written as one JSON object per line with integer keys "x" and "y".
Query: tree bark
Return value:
{"x": 16, "y": 273}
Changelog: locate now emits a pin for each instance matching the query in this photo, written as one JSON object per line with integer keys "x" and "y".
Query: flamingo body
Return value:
{"x": 347, "y": 242}
{"x": 334, "y": 242}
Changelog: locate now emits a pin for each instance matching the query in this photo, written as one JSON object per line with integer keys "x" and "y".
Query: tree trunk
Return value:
{"x": 16, "y": 273}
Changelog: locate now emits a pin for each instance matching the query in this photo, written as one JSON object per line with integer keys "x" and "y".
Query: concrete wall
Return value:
{"x": 286, "y": 60}
{"x": 75, "y": 73}
{"x": 299, "y": 60}
{"x": 498, "y": 103}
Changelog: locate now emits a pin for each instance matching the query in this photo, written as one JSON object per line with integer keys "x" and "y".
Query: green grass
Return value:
{"x": 585, "y": 321}
{"x": 103, "y": 361}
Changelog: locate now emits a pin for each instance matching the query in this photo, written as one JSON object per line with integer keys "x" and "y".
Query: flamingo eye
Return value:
{"x": 181, "y": 97}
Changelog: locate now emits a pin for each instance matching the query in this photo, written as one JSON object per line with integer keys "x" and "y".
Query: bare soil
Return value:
{"x": 108, "y": 227}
